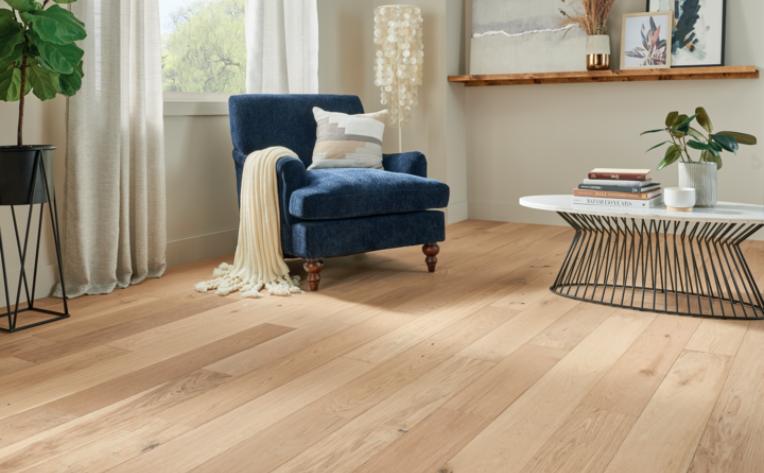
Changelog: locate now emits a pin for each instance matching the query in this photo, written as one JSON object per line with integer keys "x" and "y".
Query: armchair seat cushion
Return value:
{"x": 331, "y": 194}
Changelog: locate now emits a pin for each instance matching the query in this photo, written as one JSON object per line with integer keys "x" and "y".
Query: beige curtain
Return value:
{"x": 282, "y": 46}
{"x": 114, "y": 225}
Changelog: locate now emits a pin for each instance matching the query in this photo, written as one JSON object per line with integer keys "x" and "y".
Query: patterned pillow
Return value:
{"x": 348, "y": 141}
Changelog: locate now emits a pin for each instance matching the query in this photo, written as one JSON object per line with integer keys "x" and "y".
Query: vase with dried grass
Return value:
{"x": 593, "y": 20}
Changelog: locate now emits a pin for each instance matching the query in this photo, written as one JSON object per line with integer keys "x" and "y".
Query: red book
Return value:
{"x": 619, "y": 174}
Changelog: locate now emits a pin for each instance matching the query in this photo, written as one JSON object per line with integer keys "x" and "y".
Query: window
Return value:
{"x": 203, "y": 47}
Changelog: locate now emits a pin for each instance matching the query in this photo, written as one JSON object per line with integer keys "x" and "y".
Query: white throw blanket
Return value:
{"x": 258, "y": 262}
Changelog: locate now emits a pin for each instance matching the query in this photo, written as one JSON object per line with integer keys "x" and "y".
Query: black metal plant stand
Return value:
{"x": 673, "y": 267}
{"x": 14, "y": 309}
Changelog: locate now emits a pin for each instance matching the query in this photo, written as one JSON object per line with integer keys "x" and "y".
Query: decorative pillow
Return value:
{"x": 348, "y": 141}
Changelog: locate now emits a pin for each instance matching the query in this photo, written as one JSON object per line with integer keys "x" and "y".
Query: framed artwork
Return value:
{"x": 698, "y": 37}
{"x": 517, "y": 36}
{"x": 646, "y": 40}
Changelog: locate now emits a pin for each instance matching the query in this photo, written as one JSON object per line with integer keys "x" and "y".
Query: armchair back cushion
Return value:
{"x": 262, "y": 120}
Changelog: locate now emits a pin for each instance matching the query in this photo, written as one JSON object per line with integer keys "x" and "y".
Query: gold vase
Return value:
{"x": 597, "y": 62}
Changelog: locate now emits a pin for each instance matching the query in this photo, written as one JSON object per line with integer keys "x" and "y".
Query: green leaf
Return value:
{"x": 61, "y": 2}
{"x": 703, "y": 119}
{"x": 10, "y": 84}
{"x": 58, "y": 58}
{"x": 658, "y": 146}
{"x": 710, "y": 157}
{"x": 23, "y": 5}
{"x": 741, "y": 138}
{"x": 44, "y": 82}
{"x": 699, "y": 145}
{"x": 673, "y": 153}
{"x": 11, "y": 35}
{"x": 682, "y": 125}
{"x": 727, "y": 142}
{"x": 657, "y": 130}
{"x": 69, "y": 84}
{"x": 11, "y": 49}
{"x": 671, "y": 119}
{"x": 56, "y": 25}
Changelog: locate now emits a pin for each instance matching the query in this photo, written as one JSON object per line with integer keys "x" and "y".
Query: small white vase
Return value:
{"x": 598, "y": 52}
{"x": 679, "y": 199}
{"x": 702, "y": 178}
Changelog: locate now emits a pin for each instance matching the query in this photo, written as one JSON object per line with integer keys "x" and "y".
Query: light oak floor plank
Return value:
{"x": 304, "y": 428}
{"x": 511, "y": 440}
{"x": 592, "y": 434}
{"x": 478, "y": 367}
{"x": 665, "y": 436}
{"x": 733, "y": 439}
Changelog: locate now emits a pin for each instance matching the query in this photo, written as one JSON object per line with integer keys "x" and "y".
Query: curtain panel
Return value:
{"x": 115, "y": 222}
{"x": 282, "y": 46}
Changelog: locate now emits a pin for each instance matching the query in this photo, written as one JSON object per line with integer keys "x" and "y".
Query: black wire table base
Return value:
{"x": 665, "y": 266}
{"x": 13, "y": 307}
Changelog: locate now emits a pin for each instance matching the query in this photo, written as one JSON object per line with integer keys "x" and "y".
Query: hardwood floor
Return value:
{"x": 476, "y": 368}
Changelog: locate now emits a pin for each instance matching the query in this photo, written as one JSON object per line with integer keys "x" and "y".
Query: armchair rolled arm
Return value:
{"x": 412, "y": 162}
{"x": 291, "y": 176}
{"x": 291, "y": 172}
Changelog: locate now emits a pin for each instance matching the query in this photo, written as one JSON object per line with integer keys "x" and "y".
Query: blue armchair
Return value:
{"x": 336, "y": 212}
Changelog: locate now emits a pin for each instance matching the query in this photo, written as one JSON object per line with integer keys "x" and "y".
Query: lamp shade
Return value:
{"x": 399, "y": 57}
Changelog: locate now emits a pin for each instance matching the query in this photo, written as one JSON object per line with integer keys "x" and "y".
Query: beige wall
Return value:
{"x": 202, "y": 214}
{"x": 542, "y": 139}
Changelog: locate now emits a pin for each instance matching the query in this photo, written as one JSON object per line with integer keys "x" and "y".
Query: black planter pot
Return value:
{"x": 21, "y": 176}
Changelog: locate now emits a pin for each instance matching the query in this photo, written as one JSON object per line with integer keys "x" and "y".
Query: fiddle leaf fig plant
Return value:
{"x": 39, "y": 52}
{"x": 684, "y": 136}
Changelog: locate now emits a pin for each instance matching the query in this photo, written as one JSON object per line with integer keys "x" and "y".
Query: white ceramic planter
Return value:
{"x": 598, "y": 44}
{"x": 702, "y": 178}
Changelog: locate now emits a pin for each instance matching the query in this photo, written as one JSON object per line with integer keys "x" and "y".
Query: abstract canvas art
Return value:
{"x": 698, "y": 38}
{"x": 646, "y": 40}
{"x": 515, "y": 36}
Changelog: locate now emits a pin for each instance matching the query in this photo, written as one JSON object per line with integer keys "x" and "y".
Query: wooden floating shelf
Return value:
{"x": 636, "y": 75}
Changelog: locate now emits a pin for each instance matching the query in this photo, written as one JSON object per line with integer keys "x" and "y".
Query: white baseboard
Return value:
{"x": 201, "y": 247}
{"x": 511, "y": 212}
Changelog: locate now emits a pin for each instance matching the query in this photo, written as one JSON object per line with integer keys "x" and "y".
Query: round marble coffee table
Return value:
{"x": 687, "y": 263}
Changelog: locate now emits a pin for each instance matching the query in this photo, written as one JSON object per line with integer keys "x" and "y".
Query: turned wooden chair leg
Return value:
{"x": 431, "y": 251}
{"x": 313, "y": 268}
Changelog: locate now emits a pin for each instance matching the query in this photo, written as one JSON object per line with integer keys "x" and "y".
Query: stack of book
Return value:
{"x": 623, "y": 188}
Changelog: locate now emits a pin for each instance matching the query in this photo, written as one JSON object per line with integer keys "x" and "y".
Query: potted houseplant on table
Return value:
{"x": 38, "y": 54}
{"x": 700, "y": 172}
{"x": 593, "y": 21}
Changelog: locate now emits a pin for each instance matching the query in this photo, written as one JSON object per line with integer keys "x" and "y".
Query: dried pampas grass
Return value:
{"x": 593, "y": 20}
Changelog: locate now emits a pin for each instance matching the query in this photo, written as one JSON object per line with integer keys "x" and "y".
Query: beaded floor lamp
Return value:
{"x": 399, "y": 59}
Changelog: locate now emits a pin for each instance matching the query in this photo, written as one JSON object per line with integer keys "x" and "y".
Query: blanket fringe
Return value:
{"x": 228, "y": 281}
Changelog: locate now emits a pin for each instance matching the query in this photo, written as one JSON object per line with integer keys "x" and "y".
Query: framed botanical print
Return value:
{"x": 698, "y": 37}
{"x": 646, "y": 40}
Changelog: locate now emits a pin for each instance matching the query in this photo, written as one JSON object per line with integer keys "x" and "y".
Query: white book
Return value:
{"x": 618, "y": 203}
{"x": 608, "y": 182}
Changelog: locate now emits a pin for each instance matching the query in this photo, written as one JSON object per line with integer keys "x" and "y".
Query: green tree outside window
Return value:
{"x": 205, "y": 49}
